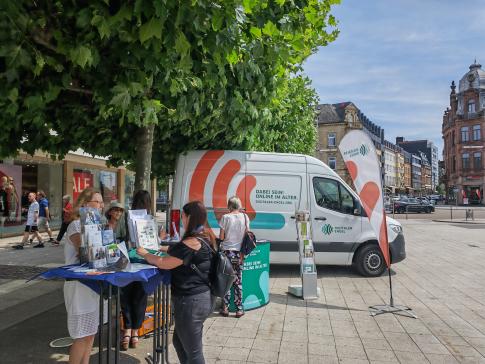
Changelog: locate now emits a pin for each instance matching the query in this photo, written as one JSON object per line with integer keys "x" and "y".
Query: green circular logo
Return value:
{"x": 327, "y": 229}
{"x": 364, "y": 149}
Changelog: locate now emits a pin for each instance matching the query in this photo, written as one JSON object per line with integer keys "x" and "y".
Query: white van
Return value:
{"x": 272, "y": 186}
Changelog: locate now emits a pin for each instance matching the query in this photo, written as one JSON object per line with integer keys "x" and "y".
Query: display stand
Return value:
{"x": 308, "y": 271}
{"x": 153, "y": 280}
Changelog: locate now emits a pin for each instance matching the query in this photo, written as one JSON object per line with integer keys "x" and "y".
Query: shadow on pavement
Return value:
{"x": 293, "y": 270}
{"x": 28, "y": 342}
{"x": 297, "y": 302}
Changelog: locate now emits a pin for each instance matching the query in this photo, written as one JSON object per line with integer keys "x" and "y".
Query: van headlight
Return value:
{"x": 396, "y": 228}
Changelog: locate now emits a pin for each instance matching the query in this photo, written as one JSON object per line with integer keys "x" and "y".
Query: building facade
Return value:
{"x": 429, "y": 149}
{"x": 57, "y": 178}
{"x": 333, "y": 122}
{"x": 390, "y": 167}
{"x": 463, "y": 136}
{"x": 408, "y": 183}
{"x": 416, "y": 172}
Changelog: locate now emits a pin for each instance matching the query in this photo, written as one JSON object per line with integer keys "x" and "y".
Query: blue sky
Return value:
{"x": 395, "y": 59}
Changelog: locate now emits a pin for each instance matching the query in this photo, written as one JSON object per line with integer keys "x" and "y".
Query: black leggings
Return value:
{"x": 62, "y": 231}
{"x": 133, "y": 305}
{"x": 190, "y": 314}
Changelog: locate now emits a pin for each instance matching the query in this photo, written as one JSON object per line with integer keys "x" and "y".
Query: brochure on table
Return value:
{"x": 143, "y": 229}
{"x": 99, "y": 247}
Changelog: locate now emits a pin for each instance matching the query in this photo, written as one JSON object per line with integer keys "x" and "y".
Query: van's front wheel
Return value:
{"x": 369, "y": 261}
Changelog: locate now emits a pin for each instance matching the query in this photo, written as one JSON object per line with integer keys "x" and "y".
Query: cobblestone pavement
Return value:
{"x": 441, "y": 280}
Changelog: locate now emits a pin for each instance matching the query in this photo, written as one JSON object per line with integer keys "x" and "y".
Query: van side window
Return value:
{"x": 346, "y": 200}
{"x": 326, "y": 193}
{"x": 332, "y": 195}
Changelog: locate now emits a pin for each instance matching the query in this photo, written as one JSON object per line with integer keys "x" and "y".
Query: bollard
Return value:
{"x": 451, "y": 212}
{"x": 407, "y": 212}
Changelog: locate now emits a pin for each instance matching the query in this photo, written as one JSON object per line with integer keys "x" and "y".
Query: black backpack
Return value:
{"x": 249, "y": 239}
{"x": 221, "y": 275}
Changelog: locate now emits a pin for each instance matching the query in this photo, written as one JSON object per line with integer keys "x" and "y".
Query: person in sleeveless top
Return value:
{"x": 233, "y": 227}
{"x": 192, "y": 299}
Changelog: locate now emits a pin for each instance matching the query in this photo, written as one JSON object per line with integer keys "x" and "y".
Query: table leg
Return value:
{"x": 117, "y": 326}
{"x": 101, "y": 320}
{"x": 159, "y": 328}
{"x": 164, "y": 324}
{"x": 155, "y": 311}
{"x": 108, "y": 335}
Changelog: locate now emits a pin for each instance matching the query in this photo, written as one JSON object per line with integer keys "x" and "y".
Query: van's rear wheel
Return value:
{"x": 369, "y": 261}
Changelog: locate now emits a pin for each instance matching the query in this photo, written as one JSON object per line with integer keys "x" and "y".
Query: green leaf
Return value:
{"x": 33, "y": 102}
{"x": 280, "y": 2}
{"x": 121, "y": 98}
{"x": 232, "y": 57}
{"x": 270, "y": 29}
{"x": 256, "y": 32}
{"x": 81, "y": 56}
{"x": 151, "y": 29}
{"x": 182, "y": 45}
{"x": 217, "y": 20}
{"x": 13, "y": 94}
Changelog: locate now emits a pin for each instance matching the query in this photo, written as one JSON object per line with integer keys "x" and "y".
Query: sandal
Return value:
{"x": 125, "y": 342}
{"x": 134, "y": 341}
{"x": 239, "y": 314}
{"x": 224, "y": 312}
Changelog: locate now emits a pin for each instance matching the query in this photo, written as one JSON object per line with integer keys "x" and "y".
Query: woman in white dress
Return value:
{"x": 82, "y": 303}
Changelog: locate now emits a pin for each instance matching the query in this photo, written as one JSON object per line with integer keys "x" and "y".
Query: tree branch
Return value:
{"x": 79, "y": 90}
{"x": 44, "y": 43}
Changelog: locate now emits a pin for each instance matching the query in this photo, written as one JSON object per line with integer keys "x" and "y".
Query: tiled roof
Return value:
{"x": 331, "y": 113}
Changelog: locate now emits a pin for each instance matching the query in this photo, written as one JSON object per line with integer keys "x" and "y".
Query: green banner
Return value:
{"x": 255, "y": 278}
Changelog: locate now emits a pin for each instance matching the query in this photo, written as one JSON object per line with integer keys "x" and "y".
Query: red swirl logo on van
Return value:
{"x": 220, "y": 189}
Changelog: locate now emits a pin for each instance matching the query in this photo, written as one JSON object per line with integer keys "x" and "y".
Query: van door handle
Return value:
{"x": 292, "y": 217}
{"x": 321, "y": 218}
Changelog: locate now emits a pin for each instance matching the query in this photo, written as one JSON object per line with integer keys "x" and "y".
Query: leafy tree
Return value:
{"x": 124, "y": 78}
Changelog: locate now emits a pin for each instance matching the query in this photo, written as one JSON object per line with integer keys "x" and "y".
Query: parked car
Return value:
{"x": 412, "y": 205}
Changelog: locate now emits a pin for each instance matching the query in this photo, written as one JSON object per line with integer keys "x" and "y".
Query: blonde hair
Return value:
{"x": 234, "y": 203}
{"x": 84, "y": 197}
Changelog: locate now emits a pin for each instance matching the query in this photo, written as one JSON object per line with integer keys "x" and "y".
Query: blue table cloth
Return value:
{"x": 149, "y": 278}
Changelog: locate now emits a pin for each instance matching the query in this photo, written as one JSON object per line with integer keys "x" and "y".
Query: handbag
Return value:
{"x": 249, "y": 239}
{"x": 221, "y": 274}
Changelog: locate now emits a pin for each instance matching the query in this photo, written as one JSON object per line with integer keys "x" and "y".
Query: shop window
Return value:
{"x": 102, "y": 180}
{"x": 332, "y": 139}
{"x": 332, "y": 162}
{"x": 464, "y": 134}
{"x": 477, "y": 132}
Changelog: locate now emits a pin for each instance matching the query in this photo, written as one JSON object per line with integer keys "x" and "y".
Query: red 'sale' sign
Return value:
{"x": 81, "y": 181}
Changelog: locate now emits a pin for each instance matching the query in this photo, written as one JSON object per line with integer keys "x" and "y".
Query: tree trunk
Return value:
{"x": 143, "y": 162}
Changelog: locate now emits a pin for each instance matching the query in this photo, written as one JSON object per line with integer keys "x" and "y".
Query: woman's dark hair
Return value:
{"x": 142, "y": 200}
{"x": 197, "y": 214}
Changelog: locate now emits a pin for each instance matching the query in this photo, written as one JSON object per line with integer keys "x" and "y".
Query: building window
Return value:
{"x": 465, "y": 158}
{"x": 332, "y": 162}
{"x": 471, "y": 106}
{"x": 476, "y": 132}
{"x": 453, "y": 165}
{"x": 464, "y": 134}
{"x": 477, "y": 160}
{"x": 453, "y": 138}
{"x": 332, "y": 140}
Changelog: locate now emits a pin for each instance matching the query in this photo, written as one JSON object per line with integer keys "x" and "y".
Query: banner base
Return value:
{"x": 394, "y": 309}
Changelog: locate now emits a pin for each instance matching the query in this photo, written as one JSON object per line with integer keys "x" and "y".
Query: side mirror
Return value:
{"x": 357, "y": 211}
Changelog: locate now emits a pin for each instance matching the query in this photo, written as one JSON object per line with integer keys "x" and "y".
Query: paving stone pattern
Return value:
{"x": 442, "y": 280}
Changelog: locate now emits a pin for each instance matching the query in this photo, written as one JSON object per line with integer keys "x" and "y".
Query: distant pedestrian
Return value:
{"x": 32, "y": 221}
{"x": 13, "y": 199}
{"x": 66, "y": 218}
{"x": 3, "y": 200}
{"x": 44, "y": 216}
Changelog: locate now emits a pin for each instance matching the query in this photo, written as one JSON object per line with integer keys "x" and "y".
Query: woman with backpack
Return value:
{"x": 233, "y": 227}
{"x": 192, "y": 299}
